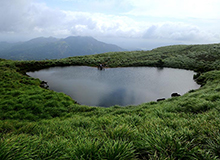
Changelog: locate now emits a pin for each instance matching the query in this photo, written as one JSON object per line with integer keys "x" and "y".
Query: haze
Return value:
{"x": 131, "y": 24}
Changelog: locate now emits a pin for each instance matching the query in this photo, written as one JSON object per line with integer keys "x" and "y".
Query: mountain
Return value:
{"x": 52, "y": 48}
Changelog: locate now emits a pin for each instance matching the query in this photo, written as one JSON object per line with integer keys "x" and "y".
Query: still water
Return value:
{"x": 116, "y": 86}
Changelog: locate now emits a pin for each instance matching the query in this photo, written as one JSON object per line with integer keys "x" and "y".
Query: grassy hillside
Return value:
{"x": 199, "y": 58}
{"x": 36, "y": 123}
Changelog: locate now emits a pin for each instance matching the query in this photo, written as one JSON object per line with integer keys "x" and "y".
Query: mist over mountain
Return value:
{"x": 52, "y": 48}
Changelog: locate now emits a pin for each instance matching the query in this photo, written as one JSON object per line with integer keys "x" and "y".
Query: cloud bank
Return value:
{"x": 138, "y": 19}
{"x": 176, "y": 8}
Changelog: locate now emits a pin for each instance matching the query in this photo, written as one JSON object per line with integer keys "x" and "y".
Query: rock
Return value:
{"x": 160, "y": 99}
{"x": 175, "y": 95}
{"x": 100, "y": 66}
{"x": 44, "y": 84}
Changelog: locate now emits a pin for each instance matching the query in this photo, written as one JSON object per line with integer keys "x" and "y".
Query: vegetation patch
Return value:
{"x": 37, "y": 123}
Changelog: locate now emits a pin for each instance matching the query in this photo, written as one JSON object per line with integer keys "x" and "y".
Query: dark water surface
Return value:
{"x": 116, "y": 86}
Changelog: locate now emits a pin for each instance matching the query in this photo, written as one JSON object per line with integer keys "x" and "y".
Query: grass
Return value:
{"x": 37, "y": 123}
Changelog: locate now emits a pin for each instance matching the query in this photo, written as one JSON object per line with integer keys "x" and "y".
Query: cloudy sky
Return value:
{"x": 142, "y": 24}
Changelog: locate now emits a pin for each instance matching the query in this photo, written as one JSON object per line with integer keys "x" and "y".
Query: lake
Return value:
{"x": 117, "y": 86}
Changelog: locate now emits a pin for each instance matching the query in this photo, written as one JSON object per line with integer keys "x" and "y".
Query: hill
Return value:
{"x": 37, "y": 123}
{"x": 52, "y": 48}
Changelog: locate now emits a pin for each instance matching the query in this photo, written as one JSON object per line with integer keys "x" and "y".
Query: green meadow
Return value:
{"x": 38, "y": 123}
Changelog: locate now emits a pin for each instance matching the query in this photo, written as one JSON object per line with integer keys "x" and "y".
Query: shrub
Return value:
{"x": 51, "y": 150}
{"x": 164, "y": 144}
{"x": 120, "y": 132}
{"x": 213, "y": 145}
{"x": 87, "y": 149}
{"x": 194, "y": 105}
{"x": 118, "y": 150}
{"x": 17, "y": 147}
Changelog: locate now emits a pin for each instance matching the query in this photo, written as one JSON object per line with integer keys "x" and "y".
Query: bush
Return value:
{"x": 194, "y": 105}
{"x": 164, "y": 144}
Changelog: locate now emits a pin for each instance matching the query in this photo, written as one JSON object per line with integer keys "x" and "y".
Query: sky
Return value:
{"x": 131, "y": 24}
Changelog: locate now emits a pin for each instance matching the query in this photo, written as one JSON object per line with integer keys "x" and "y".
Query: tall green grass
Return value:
{"x": 36, "y": 123}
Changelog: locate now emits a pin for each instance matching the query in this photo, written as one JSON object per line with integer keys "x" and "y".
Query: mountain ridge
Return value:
{"x": 41, "y": 48}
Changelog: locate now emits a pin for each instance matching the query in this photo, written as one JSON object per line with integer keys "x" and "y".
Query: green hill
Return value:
{"x": 37, "y": 123}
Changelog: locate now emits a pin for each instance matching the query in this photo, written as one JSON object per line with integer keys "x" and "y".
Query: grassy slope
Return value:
{"x": 41, "y": 124}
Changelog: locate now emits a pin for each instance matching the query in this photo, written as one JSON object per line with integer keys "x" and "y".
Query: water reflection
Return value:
{"x": 116, "y": 86}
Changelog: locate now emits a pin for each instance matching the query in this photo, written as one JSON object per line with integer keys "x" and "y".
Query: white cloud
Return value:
{"x": 176, "y": 8}
{"x": 10, "y": 16}
{"x": 27, "y": 18}
{"x": 104, "y": 6}
{"x": 179, "y": 31}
